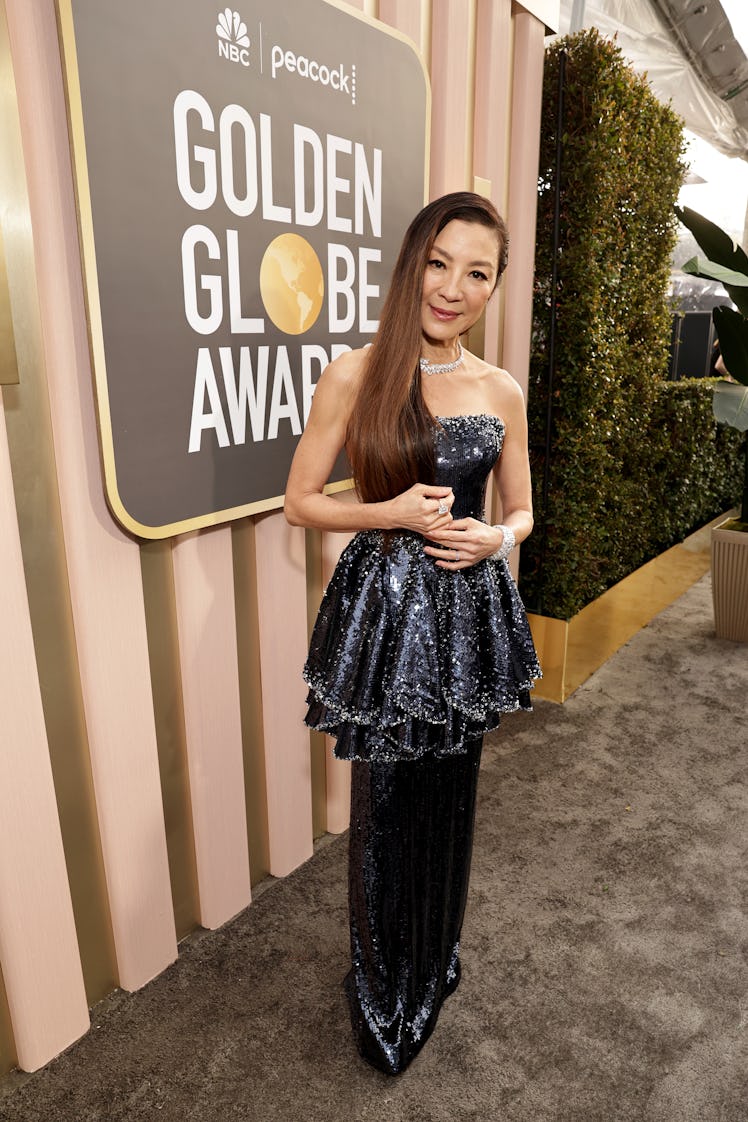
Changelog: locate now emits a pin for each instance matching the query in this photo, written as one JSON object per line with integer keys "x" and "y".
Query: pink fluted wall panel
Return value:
{"x": 452, "y": 70}
{"x": 411, "y": 17}
{"x": 281, "y": 591}
{"x": 523, "y": 191}
{"x": 204, "y": 589}
{"x": 493, "y": 52}
{"x": 38, "y": 945}
{"x": 338, "y": 791}
{"x": 103, "y": 564}
{"x": 338, "y": 771}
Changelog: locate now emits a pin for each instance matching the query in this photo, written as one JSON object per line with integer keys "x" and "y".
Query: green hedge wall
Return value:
{"x": 636, "y": 462}
{"x": 695, "y": 465}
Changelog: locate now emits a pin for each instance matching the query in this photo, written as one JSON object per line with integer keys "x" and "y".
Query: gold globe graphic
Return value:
{"x": 291, "y": 283}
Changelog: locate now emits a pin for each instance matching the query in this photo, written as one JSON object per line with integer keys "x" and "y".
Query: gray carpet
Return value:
{"x": 604, "y": 950}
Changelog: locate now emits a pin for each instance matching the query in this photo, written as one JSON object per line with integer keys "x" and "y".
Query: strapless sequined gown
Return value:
{"x": 409, "y": 666}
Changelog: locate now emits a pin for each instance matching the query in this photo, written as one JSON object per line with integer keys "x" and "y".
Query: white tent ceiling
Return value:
{"x": 690, "y": 56}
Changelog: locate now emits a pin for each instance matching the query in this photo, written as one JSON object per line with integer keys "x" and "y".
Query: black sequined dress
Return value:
{"x": 409, "y": 666}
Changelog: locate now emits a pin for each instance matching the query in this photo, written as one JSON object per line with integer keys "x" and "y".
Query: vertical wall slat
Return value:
{"x": 282, "y": 609}
{"x": 168, "y": 709}
{"x": 338, "y": 771}
{"x": 204, "y": 587}
{"x": 315, "y": 585}
{"x": 491, "y": 131}
{"x": 338, "y": 791}
{"x": 411, "y": 17}
{"x": 527, "y": 83}
{"x": 34, "y": 469}
{"x": 103, "y": 563}
{"x": 250, "y": 693}
{"x": 38, "y": 944}
{"x": 452, "y": 70}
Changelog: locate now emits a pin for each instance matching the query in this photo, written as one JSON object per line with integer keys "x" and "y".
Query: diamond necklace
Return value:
{"x": 441, "y": 367}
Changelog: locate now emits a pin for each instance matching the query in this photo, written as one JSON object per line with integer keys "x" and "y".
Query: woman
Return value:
{"x": 421, "y": 640}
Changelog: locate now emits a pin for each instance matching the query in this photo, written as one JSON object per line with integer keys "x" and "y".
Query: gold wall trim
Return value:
{"x": 33, "y": 467}
{"x": 570, "y": 651}
{"x": 8, "y": 363}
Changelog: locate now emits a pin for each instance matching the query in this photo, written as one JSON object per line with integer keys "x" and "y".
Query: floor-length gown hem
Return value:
{"x": 409, "y": 865}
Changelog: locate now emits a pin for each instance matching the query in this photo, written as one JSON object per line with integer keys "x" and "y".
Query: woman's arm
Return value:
{"x": 512, "y": 472}
{"x": 323, "y": 439}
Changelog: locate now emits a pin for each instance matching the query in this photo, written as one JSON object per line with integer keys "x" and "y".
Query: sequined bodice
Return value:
{"x": 466, "y": 450}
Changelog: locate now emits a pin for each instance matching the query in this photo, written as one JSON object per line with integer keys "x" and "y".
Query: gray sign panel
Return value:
{"x": 245, "y": 177}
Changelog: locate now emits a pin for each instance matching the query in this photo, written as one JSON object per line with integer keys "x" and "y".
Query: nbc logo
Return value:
{"x": 233, "y": 41}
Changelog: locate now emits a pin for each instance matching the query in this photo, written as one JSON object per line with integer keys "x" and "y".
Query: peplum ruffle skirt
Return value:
{"x": 407, "y": 659}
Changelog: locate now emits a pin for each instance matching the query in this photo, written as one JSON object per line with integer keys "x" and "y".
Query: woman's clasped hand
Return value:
{"x": 453, "y": 543}
{"x": 422, "y": 508}
{"x": 463, "y": 542}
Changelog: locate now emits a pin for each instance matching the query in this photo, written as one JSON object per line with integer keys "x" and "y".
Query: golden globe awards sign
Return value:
{"x": 245, "y": 176}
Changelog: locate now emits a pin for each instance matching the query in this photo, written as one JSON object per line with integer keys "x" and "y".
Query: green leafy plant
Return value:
{"x": 633, "y": 462}
{"x": 726, "y": 262}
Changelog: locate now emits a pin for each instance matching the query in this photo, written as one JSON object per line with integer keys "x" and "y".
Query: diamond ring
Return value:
{"x": 442, "y": 508}
{"x": 457, "y": 556}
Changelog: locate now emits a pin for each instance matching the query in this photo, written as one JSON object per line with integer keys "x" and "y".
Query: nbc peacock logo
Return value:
{"x": 233, "y": 41}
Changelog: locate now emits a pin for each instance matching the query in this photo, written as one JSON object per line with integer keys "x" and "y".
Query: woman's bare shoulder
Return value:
{"x": 500, "y": 388}
{"x": 342, "y": 376}
{"x": 506, "y": 384}
{"x": 348, "y": 366}
{"x": 336, "y": 390}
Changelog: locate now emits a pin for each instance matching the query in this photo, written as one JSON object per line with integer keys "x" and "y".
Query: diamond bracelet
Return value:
{"x": 507, "y": 544}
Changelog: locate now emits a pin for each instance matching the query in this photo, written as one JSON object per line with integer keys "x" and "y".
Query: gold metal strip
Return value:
{"x": 570, "y": 652}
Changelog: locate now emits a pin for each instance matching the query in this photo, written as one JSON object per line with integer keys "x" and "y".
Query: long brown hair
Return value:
{"x": 390, "y": 431}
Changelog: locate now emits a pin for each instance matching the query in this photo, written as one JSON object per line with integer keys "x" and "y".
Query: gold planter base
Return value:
{"x": 570, "y": 651}
{"x": 730, "y": 583}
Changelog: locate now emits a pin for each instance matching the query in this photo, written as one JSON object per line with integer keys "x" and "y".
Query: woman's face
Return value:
{"x": 460, "y": 276}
